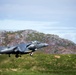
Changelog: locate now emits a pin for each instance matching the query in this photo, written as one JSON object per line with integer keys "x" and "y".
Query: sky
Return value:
{"x": 48, "y": 16}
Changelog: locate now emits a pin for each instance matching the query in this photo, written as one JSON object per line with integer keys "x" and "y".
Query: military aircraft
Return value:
{"x": 23, "y": 48}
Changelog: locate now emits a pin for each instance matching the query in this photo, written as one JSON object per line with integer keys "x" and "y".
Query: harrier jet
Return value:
{"x": 23, "y": 48}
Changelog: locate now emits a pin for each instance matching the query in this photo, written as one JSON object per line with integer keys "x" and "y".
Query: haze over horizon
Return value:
{"x": 47, "y": 16}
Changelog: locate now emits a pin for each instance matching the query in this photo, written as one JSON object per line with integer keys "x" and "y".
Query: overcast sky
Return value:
{"x": 47, "y": 16}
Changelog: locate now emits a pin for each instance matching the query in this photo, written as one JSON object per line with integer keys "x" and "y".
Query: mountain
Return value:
{"x": 57, "y": 45}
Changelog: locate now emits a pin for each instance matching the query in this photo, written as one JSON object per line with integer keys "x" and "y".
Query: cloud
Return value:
{"x": 69, "y": 36}
{"x": 48, "y": 16}
{"x": 20, "y": 24}
{"x": 66, "y": 34}
{"x": 41, "y": 26}
{"x": 37, "y": 9}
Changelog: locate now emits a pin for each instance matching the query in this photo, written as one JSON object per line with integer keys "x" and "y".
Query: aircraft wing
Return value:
{"x": 23, "y": 48}
{"x": 7, "y": 50}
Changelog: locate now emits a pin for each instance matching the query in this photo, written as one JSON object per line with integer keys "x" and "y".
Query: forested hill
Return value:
{"x": 57, "y": 45}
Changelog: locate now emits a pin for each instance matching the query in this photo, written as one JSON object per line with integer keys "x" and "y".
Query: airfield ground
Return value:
{"x": 38, "y": 64}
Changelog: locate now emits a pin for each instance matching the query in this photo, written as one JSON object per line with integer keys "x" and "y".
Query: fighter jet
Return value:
{"x": 23, "y": 48}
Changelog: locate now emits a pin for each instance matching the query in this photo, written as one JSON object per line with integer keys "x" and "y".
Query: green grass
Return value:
{"x": 38, "y": 64}
{"x": 31, "y": 73}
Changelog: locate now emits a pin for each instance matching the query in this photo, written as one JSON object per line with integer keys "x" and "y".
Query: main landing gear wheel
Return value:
{"x": 16, "y": 55}
{"x": 31, "y": 54}
{"x": 9, "y": 55}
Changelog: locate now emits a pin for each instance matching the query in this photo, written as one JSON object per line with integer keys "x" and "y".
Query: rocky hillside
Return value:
{"x": 57, "y": 45}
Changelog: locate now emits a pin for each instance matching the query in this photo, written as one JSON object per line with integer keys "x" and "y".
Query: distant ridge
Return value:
{"x": 57, "y": 45}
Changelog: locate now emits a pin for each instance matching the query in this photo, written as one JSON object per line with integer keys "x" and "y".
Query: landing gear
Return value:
{"x": 9, "y": 55}
{"x": 17, "y": 55}
{"x": 31, "y": 53}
